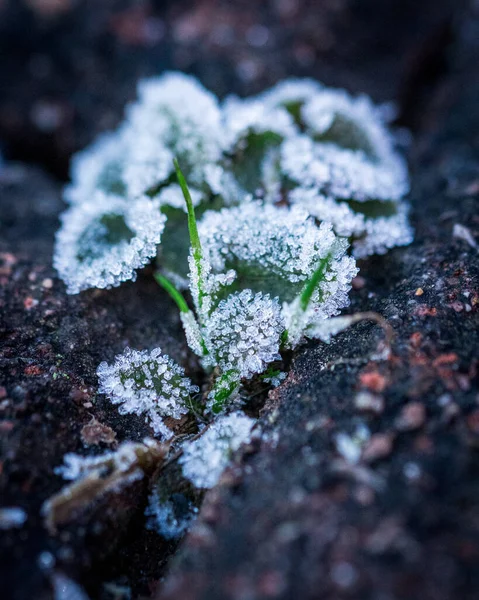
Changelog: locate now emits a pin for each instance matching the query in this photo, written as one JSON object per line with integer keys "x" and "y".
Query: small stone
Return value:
{"x": 412, "y": 417}
{"x": 367, "y": 402}
{"x": 373, "y": 380}
{"x": 47, "y": 283}
{"x": 419, "y": 292}
{"x": 473, "y": 422}
{"x": 29, "y": 303}
{"x": 358, "y": 282}
{"x": 379, "y": 446}
{"x": 425, "y": 311}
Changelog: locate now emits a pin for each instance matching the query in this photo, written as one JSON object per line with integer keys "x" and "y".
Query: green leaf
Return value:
{"x": 313, "y": 283}
{"x": 224, "y": 387}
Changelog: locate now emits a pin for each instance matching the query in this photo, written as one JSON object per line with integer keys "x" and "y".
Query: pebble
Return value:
{"x": 412, "y": 417}
{"x": 379, "y": 446}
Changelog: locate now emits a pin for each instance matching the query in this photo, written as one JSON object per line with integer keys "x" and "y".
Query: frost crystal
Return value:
{"x": 205, "y": 459}
{"x": 243, "y": 333}
{"x": 101, "y": 244}
{"x": 252, "y": 116}
{"x": 343, "y": 173}
{"x": 129, "y": 455}
{"x": 291, "y": 94}
{"x": 170, "y": 517}
{"x": 100, "y": 167}
{"x": 147, "y": 383}
{"x": 254, "y": 133}
{"x": 371, "y": 234}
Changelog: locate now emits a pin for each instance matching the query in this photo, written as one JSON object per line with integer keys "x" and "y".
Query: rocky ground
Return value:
{"x": 320, "y": 507}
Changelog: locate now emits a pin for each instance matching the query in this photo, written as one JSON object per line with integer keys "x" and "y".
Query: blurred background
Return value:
{"x": 68, "y": 66}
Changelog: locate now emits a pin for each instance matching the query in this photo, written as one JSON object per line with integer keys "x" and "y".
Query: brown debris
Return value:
{"x": 95, "y": 433}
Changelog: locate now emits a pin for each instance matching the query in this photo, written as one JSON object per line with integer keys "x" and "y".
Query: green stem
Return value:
{"x": 193, "y": 230}
{"x": 173, "y": 292}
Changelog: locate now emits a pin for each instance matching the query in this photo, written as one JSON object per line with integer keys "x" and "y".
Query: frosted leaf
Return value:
{"x": 334, "y": 116}
{"x": 328, "y": 298}
{"x": 372, "y": 233}
{"x": 147, "y": 383}
{"x": 276, "y": 250}
{"x": 243, "y": 117}
{"x": 174, "y": 112}
{"x": 100, "y": 166}
{"x": 243, "y": 333}
{"x": 291, "y": 94}
{"x": 168, "y": 518}
{"x": 92, "y": 477}
{"x": 342, "y": 172}
{"x": 128, "y": 455}
{"x": 254, "y": 133}
{"x": 205, "y": 459}
{"x": 149, "y": 164}
{"x": 225, "y": 390}
{"x": 384, "y": 233}
{"x": 101, "y": 244}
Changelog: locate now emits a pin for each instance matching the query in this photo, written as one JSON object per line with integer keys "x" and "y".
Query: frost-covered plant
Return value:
{"x": 204, "y": 459}
{"x": 147, "y": 383}
{"x": 103, "y": 242}
{"x": 282, "y": 186}
{"x": 248, "y": 252}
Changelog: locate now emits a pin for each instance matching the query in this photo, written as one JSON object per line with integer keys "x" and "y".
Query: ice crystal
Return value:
{"x": 171, "y": 517}
{"x": 102, "y": 243}
{"x": 128, "y": 456}
{"x": 12, "y": 516}
{"x": 252, "y": 116}
{"x": 100, "y": 166}
{"x": 274, "y": 377}
{"x": 147, "y": 383}
{"x": 205, "y": 459}
{"x": 371, "y": 233}
{"x": 291, "y": 94}
{"x": 343, "y": 173}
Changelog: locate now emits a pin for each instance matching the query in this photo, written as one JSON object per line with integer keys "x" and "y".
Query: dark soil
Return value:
{"x": 292, "y": 518}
